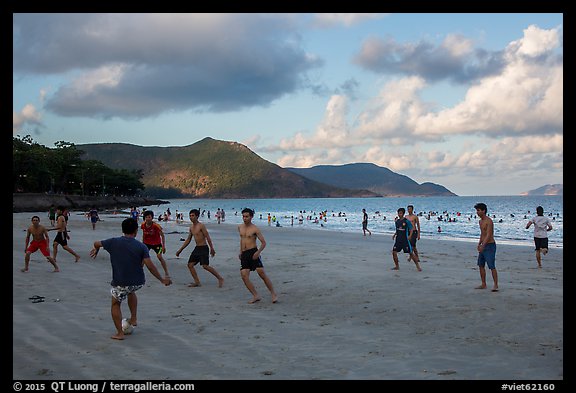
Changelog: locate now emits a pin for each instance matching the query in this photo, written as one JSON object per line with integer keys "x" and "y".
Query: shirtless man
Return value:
{"x": 250, "y": 255}
{"x": 201, "y": 252}
{"x": 40, "y": 241}
{"x": 486, "y": 247}
{"x": 62, "y": 235}
{"x": 415, "y": 230}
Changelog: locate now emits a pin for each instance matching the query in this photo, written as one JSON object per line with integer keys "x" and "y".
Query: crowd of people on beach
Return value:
{"x": 128, "y": 255}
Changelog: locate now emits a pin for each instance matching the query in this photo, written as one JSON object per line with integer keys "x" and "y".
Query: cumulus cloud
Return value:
{"x": 333, "y": 131}
{"x": 454, "y": 59}
{"x": 137, "y": 65}
{"x": 526, "y": 97}
{"x": 514, "y": 117}
{"x": 343, "y": 19}
{"x": 28, "y": 116}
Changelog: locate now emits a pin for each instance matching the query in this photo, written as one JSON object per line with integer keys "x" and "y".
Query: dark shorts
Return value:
{"x": 200, "y": 254}
{"x": 247, "y": 262}
{"x": 61, "y": 239}
{"x": 488, "y": 256}
{"x": 540, "y": 242}
{"x": 402, "y": 244}
{"x": 94, "y": 219}
{"x": 364, "y": 224}
{"x": 156, "y": 247}
{"x": 414, "y": 238}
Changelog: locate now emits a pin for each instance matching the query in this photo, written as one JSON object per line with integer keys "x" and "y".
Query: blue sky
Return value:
{"x": 472, "y": 101}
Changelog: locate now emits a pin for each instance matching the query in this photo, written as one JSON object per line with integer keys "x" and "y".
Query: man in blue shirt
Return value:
{"x": 402, "y": 237}
{"x": 128, "y": 257}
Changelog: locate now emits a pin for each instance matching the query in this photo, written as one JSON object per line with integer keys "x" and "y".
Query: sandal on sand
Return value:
{"x": 35, "y": 297}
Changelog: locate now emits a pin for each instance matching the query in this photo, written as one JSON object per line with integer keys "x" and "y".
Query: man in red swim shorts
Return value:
{"x": 40, "y": 241}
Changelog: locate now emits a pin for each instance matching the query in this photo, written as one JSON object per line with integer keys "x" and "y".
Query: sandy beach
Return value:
{"x": 342, "y": 312}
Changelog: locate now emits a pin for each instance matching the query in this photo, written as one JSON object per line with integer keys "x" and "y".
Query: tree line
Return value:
{"x": 40, "y": 169}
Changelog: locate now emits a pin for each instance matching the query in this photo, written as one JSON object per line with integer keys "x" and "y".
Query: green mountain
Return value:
{"x": 210, "y": 169}
{"x": 371, "y": 177}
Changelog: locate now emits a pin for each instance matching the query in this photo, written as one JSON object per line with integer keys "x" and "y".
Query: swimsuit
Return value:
{"x": 488, "y": 255}
{"x": 200, "y": 254}
{"x": 247, "y": 262}
{"x": 41, "y": 245}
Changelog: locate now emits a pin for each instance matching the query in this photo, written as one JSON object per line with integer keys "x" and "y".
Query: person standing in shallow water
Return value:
{"x": 541, "y": 227}
{"x": 250, "y": 256}
{"x": 486, "y": 247}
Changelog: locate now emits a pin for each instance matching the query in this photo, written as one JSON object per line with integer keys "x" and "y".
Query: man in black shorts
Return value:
{"x": 202, "y": 251}
{"x": 250, "y": 256}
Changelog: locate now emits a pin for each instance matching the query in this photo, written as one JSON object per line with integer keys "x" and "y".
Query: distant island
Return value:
{"x": 212, "y": 168}
{"x": 371, "y": 177}
{"x": 548, "y": 189}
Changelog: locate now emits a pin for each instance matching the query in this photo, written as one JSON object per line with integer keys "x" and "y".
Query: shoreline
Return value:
{"x": 31, "y": 202}
{"x": 342, "y": 313}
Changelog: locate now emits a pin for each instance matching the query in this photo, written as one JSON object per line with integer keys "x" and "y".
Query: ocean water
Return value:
{"x": 456, "y": 216}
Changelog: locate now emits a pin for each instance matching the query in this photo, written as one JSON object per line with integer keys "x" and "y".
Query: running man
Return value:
{"x": 486, "y": 247}
{"x": 62, "y": 235}
{"x": 128, "y": 257}
{"x": 250, "y": 255}
{"x": 541, "y": 227}
{"x": 153, "y": 238}
{"x": 202, "y": 251}
{"x": 415, "y": 221}
{"x": 402, "y": 243}
{"x": 40, "y": 241}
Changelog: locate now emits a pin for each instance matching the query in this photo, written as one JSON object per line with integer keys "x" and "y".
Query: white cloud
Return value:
{"x": 333, "y": 131}
{"x": 27, "y": 116}
{"x": 535, "y": 42}
{"x": 393, "y": 112}
{"x": 350, "y": 19}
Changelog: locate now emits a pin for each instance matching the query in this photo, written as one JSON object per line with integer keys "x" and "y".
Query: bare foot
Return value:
{"x": 220, "y": 282}
{"x": 539, "y": 266}
{"x": 480, "y": 287}
{"x": 56, "y": 270}
{"x": 118, "y": 336}
{"x": 254, "y": 300}
{"x": 77, "y": 259}
{"x": 395, "y": 268}
{"x": 274, "y": 298}
{"x": 418, "y": 267}
{"x": 23, "y": 270}
{"x": 135, "y": 323}
{"x": 194, "y": 284}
